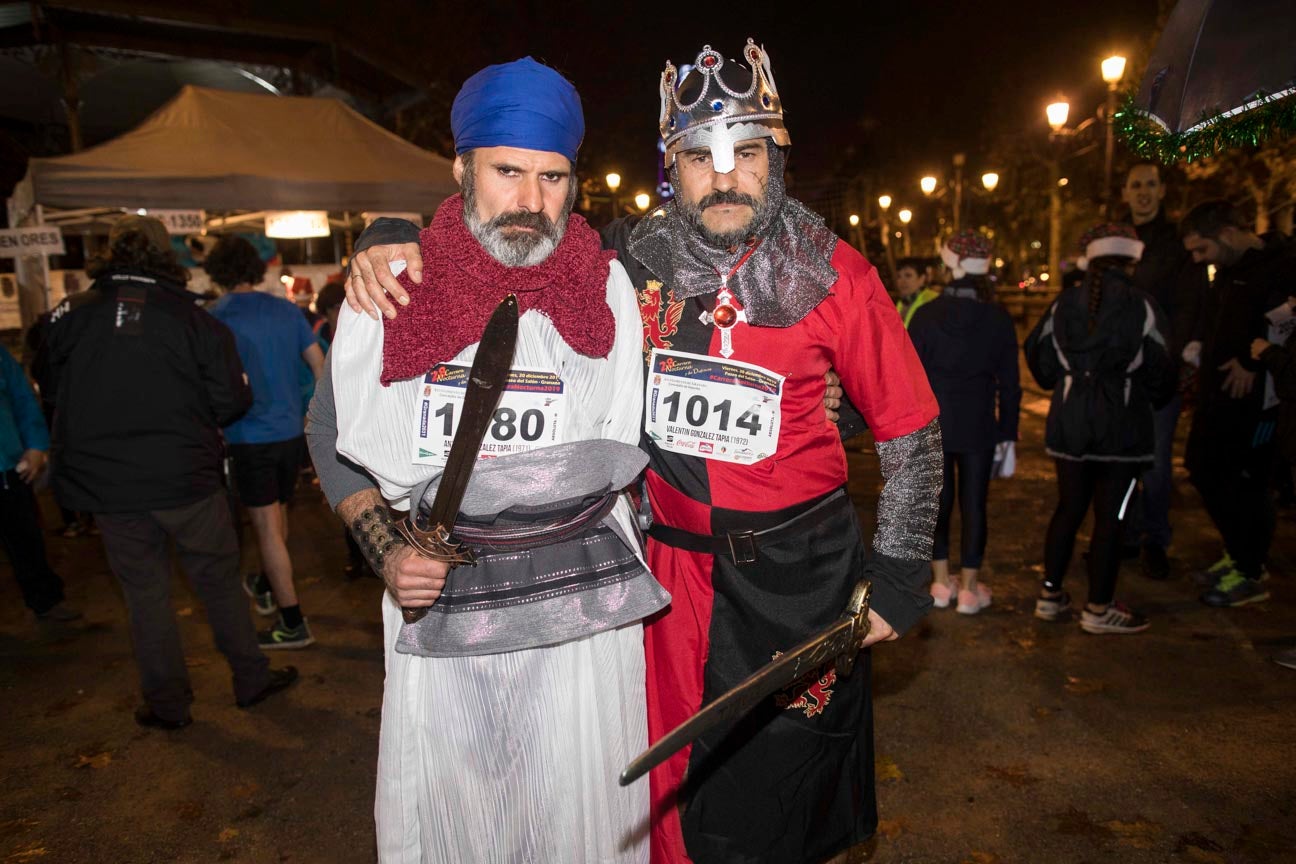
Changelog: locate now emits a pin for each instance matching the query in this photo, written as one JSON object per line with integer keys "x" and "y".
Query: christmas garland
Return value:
{"x": 1271, "y": 118}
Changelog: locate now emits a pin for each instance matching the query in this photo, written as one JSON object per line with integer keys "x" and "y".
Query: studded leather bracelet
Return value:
{"x": 375, "y": 532}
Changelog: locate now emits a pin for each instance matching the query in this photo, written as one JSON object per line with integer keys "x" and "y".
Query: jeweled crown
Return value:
{"x": 720, "y": 115}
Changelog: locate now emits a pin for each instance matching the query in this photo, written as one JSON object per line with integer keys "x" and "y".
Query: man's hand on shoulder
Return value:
{"x": 372, "y": 286}
{"x": 832, "y": 395}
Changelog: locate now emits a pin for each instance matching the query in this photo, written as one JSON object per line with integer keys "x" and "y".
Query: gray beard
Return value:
{"x": 523, "y": 249}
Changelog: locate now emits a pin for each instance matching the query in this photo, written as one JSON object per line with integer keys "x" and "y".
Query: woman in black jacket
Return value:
{"x": 1101, "y": 349}
{"x": 969, "y": 348}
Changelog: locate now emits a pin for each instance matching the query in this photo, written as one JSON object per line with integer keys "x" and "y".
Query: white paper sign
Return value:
{"x": 712, "y": 408}
{"x": 181, "y": 221}
{"x": 41, "y": 240}
{"x": 529, "y": 414}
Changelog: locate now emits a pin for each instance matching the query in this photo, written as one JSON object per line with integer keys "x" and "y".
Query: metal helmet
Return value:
{"x": 719, "y": 103}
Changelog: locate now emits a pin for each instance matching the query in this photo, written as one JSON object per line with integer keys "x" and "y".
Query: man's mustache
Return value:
{"x": 538, "y": 222}
{"x": 728, "y": 197}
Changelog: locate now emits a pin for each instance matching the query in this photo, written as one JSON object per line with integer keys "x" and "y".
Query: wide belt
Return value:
{"x": 531, "y": 535}
{"x": 741, "y": 545}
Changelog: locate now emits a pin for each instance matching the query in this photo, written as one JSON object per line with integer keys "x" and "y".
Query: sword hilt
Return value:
{"x": 857, "y": 608}
{"x": 435, "y": 544}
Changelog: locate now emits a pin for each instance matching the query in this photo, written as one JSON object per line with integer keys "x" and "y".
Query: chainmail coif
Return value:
{"x": 788, "y": 275}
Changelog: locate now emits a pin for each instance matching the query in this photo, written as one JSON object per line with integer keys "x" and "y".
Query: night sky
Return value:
{"x": 887, "y": 88}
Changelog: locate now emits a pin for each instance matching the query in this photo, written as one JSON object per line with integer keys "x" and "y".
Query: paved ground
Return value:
{"x": 1000, "y": 738}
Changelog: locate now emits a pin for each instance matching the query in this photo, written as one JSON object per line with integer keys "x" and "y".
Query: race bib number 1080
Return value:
{"x": 712, "y": 408}
{"x": 529, "y": 414}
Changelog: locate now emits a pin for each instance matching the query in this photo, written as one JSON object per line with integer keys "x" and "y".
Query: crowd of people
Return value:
{"x": 738, "y": 302}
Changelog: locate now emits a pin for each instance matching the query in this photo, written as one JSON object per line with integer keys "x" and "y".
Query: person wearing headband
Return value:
{"x": 509, "y": 708}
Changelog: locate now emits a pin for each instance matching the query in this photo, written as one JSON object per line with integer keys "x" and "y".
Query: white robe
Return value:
{"x": 507, "y": 757}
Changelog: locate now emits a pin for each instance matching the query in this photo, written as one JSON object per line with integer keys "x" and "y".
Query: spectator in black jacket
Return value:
{"x": 1101, "y": 349}
{"x": 1279, "y": 361}
{"x": 1231, "y": 443}
{"x": 969, "y": 348}
{"x": 142, "y": 380}
{"x": 1167, "y": 274}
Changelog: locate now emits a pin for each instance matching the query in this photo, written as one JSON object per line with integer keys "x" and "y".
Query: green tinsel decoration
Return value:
{"x": 1273, "y": 118}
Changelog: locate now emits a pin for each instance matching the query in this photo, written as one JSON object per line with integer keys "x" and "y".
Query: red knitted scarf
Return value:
{"x": 462, "y": 285}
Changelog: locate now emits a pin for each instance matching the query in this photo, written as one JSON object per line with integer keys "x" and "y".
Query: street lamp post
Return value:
{"x": 1057, "y": 114}
{"x": 905, "y": 216}
{"x": 884, "y": 205}
{"x": 1113, "y": 69}
{"x": 613, "y": 181}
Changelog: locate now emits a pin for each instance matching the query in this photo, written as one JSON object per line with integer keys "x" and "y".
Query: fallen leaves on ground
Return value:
{"x": 884, "y": 769}
{"x": 189, "y": 810}
{"x": 1140, "y": 833}
{"x": 1084, "y": 686}
{"x": 1017, "y": 777}
{"x": 14, "y": 827}
{"x": 228, "y": 834}
{"x": 29, "y": 852}
{"x": 96, "y": 761}
{"x": 245, "y": 790}
{"x": 980, "y": 858}
{"x": 891, "y": 828}
{"x": 1199, "y": 849}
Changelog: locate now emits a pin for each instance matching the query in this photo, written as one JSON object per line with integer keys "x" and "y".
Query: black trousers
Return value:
{"x": 138, "y": 553}
{"x": 973, "y": 487}
{"x": 1106, "y": 485}
{"x": 20, "y": 532}
{"x": 1235, "y": 487}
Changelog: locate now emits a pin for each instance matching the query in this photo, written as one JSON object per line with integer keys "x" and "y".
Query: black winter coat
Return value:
{"x": 969, "y": 350}
{"x": 142, "y": 380}
{"x": 1167, "y": 274}
{"x": 1107, "y": 381}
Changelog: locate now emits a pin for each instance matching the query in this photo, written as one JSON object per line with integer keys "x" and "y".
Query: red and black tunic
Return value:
{"x": 795, "y": 780}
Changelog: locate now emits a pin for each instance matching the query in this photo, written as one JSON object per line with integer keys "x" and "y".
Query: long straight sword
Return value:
{"x": 839, "y": 643}
{"x": 486, "y": 381}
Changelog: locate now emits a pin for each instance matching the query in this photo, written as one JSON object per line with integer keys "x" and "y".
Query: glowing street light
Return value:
{"x": 884, "y": 201}
{"x": 642, "y": 200}
{"x": 854, "y": 220}
{"x": 927, "y": 184}
{"x": 905, "y": 216}
{"x": 990, "y": 180}
{"x": 1057, "y": 115}
{"x": 1113, "y": 69}
{"x": 613, "y": 181}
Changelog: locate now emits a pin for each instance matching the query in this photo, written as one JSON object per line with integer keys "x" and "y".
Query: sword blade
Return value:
{"x": 841, "y": 640}
{"x": 486, "y": 380}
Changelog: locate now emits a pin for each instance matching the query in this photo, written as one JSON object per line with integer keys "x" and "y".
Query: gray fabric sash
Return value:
{"x": 550, "y": 592}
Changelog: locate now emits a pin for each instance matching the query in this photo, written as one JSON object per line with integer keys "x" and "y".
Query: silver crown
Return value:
{"x": 721, "y": 117}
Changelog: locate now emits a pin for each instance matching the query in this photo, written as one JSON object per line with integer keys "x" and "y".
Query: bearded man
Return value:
{"x": 747, "y": 301}
{"x": 510, "y": 708}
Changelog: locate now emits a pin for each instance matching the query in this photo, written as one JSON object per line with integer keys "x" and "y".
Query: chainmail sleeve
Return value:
{"x": 912, "y": 473}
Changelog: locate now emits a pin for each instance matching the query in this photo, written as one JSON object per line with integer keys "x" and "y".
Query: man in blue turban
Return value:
{"x": 753, "y": 532}
{"x": 510, "y": 708}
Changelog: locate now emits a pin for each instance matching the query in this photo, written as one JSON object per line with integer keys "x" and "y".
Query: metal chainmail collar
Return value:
{"x": 788, "y": 275}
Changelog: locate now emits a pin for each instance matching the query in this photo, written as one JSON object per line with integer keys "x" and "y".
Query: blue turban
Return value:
{"x": 521, "y": 104}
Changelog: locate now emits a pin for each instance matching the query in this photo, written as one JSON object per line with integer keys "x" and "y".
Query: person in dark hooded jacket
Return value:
{"x": 969, "y": 349}
{"x": 1101, "y": 349}
{"x": 1230, "y": 448}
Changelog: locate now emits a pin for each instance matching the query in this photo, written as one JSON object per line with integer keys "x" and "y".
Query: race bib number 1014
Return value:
{"x": 529, "y": 414}
{"x": 712, "y": 408}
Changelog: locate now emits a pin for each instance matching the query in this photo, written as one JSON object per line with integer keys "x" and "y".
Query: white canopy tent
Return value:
{"x": 220, "y": 150}
{"x": 229, "y": 153}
